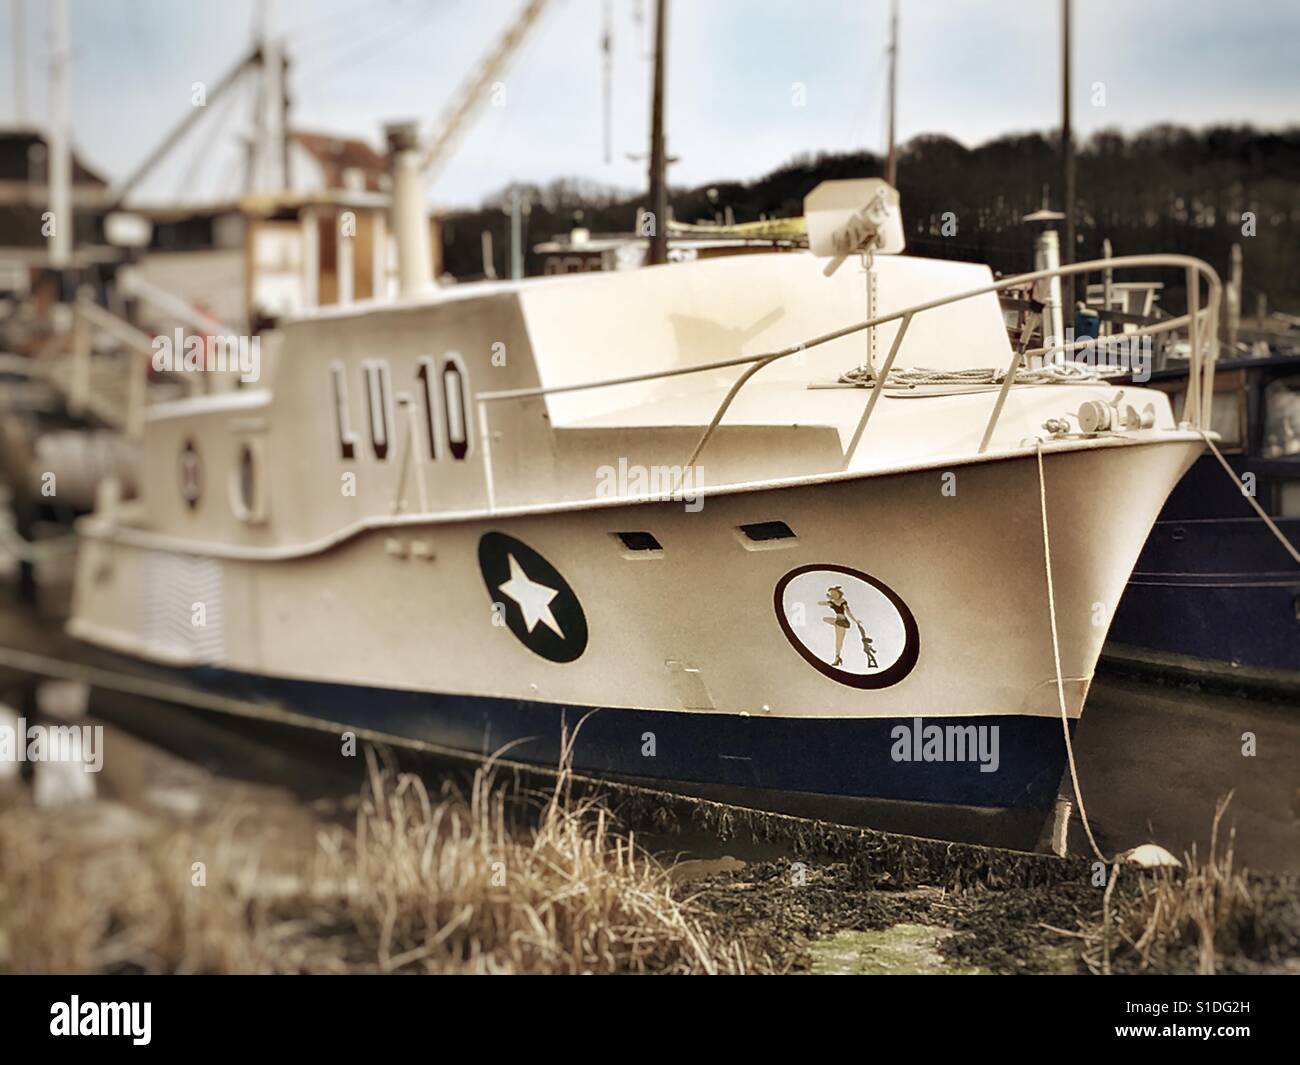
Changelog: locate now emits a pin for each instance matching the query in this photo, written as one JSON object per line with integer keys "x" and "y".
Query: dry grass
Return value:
{"x": 1203, "y": 905}
{"x": 1203, "y": 910}
{"x": 420, "y": 883}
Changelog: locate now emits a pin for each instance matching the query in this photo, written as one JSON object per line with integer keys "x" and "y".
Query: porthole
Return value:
{"x": 247, "y": 492}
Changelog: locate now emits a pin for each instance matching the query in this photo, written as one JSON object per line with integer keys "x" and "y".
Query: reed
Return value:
{"x": 1206, "y": 906}
{"x": 453, "y": 882}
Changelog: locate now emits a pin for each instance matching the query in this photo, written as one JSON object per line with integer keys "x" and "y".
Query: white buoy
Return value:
{"x": 1150, "y": 856}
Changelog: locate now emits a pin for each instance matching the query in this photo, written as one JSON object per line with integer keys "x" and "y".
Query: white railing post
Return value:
{"x": 881, "y": 378}
{"x": 485, "y": 440}
{"x": 1193, "y": 408}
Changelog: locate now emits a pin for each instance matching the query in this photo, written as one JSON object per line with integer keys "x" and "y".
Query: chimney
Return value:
{"x": 410, "y": 219}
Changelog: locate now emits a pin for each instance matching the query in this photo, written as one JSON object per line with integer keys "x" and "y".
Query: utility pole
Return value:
{"x": 60, "y": 152}
{"x": 891, "y": 165}
{"x": 1067, "y": 160}
{"x": 658, "y": 158}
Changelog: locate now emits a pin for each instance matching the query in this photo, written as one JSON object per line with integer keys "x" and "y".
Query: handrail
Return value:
{"x": 1201, "y": 358}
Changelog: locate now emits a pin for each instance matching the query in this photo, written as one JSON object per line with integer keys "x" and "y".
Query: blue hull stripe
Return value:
{"x": 845, "y": 758}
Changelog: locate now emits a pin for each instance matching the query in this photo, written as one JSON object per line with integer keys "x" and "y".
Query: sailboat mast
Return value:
{"x": 658, "y": 157}
{"x": 891, "y": 165}
{"x": 1067, "y": 161}
{"x": 60, "y": 149}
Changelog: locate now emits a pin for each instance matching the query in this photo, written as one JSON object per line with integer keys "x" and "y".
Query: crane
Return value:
{"x": 455, "y": 118}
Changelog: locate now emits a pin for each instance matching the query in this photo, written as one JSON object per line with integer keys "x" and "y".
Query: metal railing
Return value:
{"x": 1201, "y": 325}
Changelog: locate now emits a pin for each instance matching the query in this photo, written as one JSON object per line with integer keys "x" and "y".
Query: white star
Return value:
{"x": 534, "y": 599}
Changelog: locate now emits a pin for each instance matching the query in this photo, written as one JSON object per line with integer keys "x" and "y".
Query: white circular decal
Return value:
{"x": 848, "y": 625}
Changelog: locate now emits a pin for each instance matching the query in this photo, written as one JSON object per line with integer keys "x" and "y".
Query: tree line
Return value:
{"x": 1167, "y": 188}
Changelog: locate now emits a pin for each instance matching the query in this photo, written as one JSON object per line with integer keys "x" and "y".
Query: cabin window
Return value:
{"x": 190, "y": 474}
{"x": 455, "y": 403}
{"x": 1288, "y": 499}
{"x": 247, "y": 491}
{"x": 1227, "y": 415}
{"x": 428, "y": 377}
{"x": 1282, "y": 419}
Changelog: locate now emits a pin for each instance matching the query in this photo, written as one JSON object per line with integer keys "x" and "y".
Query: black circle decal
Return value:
{"x": 191, "y": 474}
{"x": 847, "y": 625}
{"x": 539, "y": 606}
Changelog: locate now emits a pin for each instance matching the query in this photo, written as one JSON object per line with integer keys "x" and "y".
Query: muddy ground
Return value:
{"x": 802, "y": 896}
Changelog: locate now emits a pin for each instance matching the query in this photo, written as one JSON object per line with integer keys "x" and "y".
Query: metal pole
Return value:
{"x": 273, "y": 101}
{"x": 343, "y": 264}
{"x": 1107, "y": 287}
{"x": 516, "y": 236}
{"x": 658, "y": 159}
{"x": 379, "y": 255}
{"x": 1067, "y": 159}
{"x": 1233, "y": 293}
{"x": 607, "y": 63}
{"x": 60, "y": 168}
{"x": 286, "y": 172}
{"x": 20, "y": 61}
{"x": 891, "y": 164}
{"x": 310, "y": 237}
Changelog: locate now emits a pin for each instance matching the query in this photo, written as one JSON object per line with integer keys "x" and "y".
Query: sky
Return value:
{"x": 750, "y": 84}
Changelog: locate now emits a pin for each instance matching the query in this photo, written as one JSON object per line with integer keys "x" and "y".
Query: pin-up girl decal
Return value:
{"x": 836, "y": 600}
{"x": 884, "y": 623}
{"x": 843, "y": 615}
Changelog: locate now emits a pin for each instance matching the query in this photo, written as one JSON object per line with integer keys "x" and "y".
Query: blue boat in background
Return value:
{"x": 1214, "y": 597}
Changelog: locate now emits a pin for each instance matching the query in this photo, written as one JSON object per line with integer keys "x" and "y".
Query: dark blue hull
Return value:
{"x": 841, "y": 769}
{"x": 1213, "y": 593}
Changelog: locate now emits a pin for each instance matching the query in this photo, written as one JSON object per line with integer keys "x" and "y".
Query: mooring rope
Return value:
{"x": 1056, "y": 655}
{"x": 1065, "y": 727}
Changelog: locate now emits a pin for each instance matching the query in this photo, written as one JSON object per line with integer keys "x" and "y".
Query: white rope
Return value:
{"x": 1281, "y": 536}
{"x": 1062, "y": 373}
{"x": 1056, "y": 654}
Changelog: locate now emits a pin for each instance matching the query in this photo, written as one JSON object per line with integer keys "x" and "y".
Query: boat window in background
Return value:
{"x": 1282, "y": 418}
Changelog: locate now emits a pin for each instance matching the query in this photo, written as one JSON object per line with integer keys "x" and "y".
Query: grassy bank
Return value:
{"x": 414, "y": 883}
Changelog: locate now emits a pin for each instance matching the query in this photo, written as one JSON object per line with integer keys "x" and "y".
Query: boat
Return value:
{"x": 1210, "y": 563}
{"x": 796, "y": 531}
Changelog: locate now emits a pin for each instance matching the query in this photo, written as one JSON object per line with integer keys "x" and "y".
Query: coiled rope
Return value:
{"x": 1062, "y": 373}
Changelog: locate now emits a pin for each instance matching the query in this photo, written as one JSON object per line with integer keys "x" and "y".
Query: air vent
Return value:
{"x": 762, "y": 531}
{"x": 637, "y": 543}
{"x": 766, "y": 536}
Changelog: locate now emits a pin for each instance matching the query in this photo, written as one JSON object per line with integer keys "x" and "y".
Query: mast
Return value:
{"x": 891, "y": 164}
{"x": 658, "y": 159}
{"x": 20, "y": 62}
{"x": 60, "y": 154}
{"x": 1067, "y": 160}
